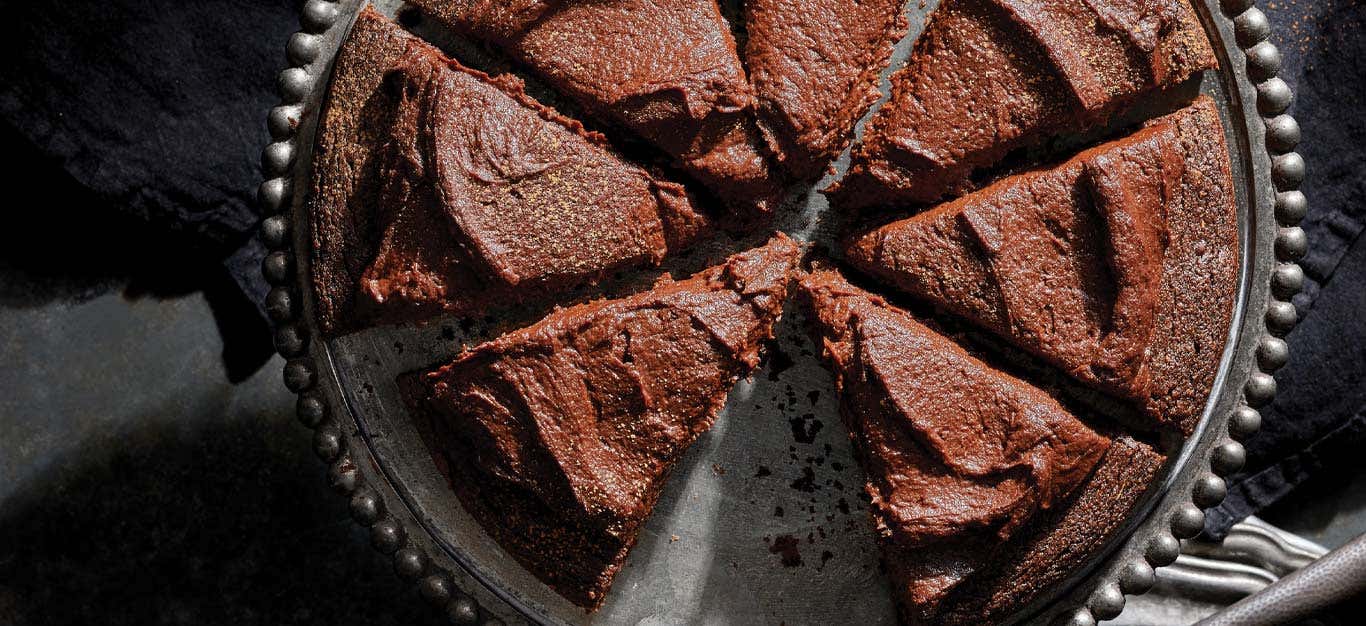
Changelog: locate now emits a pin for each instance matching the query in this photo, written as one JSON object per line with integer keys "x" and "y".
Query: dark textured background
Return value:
{"x": 142, "y": 486}
{"x": 138, "y": 484}
{"x": 1315, "y": 429}
{"x": 141, "y": 123}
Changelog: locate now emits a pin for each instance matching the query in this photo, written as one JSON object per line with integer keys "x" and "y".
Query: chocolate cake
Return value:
{"x": 439, "y": 188}
{"x": 814, "y": 65}
{"x": 1119, "y": 265}
{"x": 442, "y": 190}
{"x": 962, "y": 458}
{"x": 559, "y": 436}
{"x": 668, "y": 71}
{"x": 991, "y": 76}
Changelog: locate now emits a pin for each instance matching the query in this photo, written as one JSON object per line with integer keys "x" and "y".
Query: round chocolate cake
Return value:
{"x": 1004, "y": 261}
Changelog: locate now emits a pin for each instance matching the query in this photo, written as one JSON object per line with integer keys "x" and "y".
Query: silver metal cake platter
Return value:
{"x": 761, "y": 522}
{"x": 1210, "y": 575}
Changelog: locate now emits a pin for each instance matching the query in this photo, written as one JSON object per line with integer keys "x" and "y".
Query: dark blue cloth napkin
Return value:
{"x": 1317, "y": 424}
{"x": 156, "y": 109}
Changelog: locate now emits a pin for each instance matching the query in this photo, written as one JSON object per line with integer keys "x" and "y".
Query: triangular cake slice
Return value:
{"x": 668, "y": 71}
{"x": 815, "y": 67}
{"x": 1119, "y": 265}
{"x": 559, "y": 436}
{"x": 438, "y": 188}
{"x": 959, "y": 456}
{"x": 991, "y": 76}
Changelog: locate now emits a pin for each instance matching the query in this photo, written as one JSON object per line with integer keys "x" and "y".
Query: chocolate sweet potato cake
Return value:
{"x": 1118, "y": 265}
{"x": 559, "y": 436}
{"x": 667, "y": 71}
{"x": 991, "y": 76}
{"x": 961, "y": 457}
{"x": 441, "y": 193}
{"x": 441, "y": 189}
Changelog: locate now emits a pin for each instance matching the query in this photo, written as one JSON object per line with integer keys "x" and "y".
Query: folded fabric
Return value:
{"x": 158, "y": 107}
{"x": 1318, "y": 420}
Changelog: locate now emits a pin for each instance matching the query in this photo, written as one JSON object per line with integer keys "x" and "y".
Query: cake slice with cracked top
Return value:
{"x": 1119, "y": 265}
{"x": 991, "y": 76}
{"x": 440, "y": 189}
{"x": 559, "y": 437}
{"x": 965, "y": 463}
{"x": 667, "y": 70}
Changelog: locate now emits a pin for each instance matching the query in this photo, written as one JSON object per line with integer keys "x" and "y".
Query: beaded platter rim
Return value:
{"x": 1195, "y": 483}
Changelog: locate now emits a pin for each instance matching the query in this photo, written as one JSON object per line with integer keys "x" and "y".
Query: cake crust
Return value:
{"x": 1046, "y": 554}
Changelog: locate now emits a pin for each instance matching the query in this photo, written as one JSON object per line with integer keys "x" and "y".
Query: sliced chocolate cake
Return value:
{"x": 991, "y": 76}
{"x": 668, "y": 71}
{"x": 438, "y": 188}
{"x": 560, "y": 436}
{"x": 965, "y": 463}
{"x": 814, "y": 65}
{"x": 441, "y": 190}
{"x": 1118, "y": 266}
